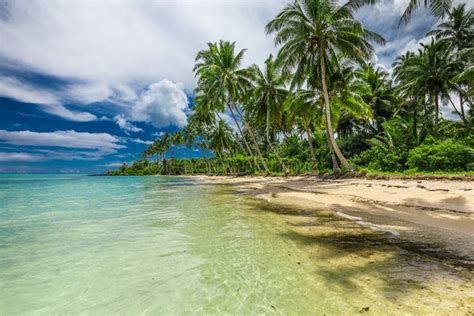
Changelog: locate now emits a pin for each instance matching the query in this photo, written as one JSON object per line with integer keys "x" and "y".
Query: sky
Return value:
{"x": 86, "y": 85}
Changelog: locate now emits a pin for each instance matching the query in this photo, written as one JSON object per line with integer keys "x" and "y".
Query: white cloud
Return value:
{"x": 163, "y": 104}
{"x": 89, "y": 92}
{"x": 112, "y": 49}
{"x": 115, "y": 164}
{"x": 18, "y": 156}
{"x": 48, "y": 101}
{"x": 122, "y": 122}
{"x": 44, "y": 155}
{"x": 73, "y": 145}
{"x": 68, "y": 139}
{"x": 129, "y": 41}
{"x": 140, "y": 141}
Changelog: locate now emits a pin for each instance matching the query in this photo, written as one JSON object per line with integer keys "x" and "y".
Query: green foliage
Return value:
{"x": 383, "y": 159}
{"x": 447, "y": 155}
{"x": 432, "y": 155}
{"x": 321, "y": 84}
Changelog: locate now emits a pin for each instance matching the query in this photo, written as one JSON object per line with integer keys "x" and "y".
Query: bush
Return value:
{"x": 446, "y": 155}
{"x": 378, "y": 158}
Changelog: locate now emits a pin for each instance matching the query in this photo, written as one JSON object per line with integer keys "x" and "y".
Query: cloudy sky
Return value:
{"x": 85, "y": 85}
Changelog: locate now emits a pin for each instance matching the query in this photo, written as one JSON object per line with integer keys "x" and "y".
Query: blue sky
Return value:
{"x": 85, "y": 85}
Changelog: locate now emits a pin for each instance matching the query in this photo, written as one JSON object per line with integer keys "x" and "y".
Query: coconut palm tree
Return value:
{"x": 149, "y": 151}
{"x": 267, "y": 98}
{"x": 304, "y": 107}
{"x": 312, "y": 32}
{"x": 200, "y": 123}
{"x": 379, "y": 94}
{"x": 167, "y": 143}
{"x": 458, "y": 34}
{"x": 178, "y": 138}
{"x": 439, "y": 8}
{"x": 457, "y": 30}
{"x": 349, "y": 110}
{"x": 223, "y": 80}
{"x": 189, "y": 135}
{"x": 157, "y": 148}
{"x": 221, "y": 138}
{"x": 428, "y": 73}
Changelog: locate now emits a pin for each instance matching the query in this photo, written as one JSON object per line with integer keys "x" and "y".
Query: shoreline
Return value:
{"x": 400, "y": 208}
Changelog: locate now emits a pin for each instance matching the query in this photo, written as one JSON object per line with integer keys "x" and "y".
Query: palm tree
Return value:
{"x": 267, "y": 99}
{"x": 189, "y": 135}
{"x": 157, "y": 148}
{"x": 224, "y": 82}
{"x": 178, "y": 138}
{"x": 379, "y": 94}
{"x": 167, "y": 143}
{"x": 439, "y": 8}
{"x": 200, "y": 123}
{"x": 221, "y": 138}
{"x": 428, "y": 73}
{"x": 149, "y": 151}
{"x": 313, "y": 31}
{"x": 347, "y": 91}
{"x": 304, "y": 107}
{"x": 457, "y": 32}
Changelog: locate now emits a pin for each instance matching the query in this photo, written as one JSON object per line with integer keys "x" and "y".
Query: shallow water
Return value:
{"x": 162, "y": 245}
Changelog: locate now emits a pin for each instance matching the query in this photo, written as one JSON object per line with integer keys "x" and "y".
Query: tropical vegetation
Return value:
{"x": 322, "y": 105}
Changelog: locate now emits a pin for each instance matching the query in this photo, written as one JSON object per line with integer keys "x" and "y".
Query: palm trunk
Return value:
{"x": 237, "y": 141}
{"x": 462, "y": 108}
{"x": 415, "y": 127}
{"x": 455, "y": 109}
{"x": 254, "y": 139}
{"x": 436, "y": 118}
{"x": 243, "y": 137}
{"x": 335, "y": 164}
{"x": 329, "y": 131}
{"x": 267, "y": 132}
{"x": 310, "y": 143}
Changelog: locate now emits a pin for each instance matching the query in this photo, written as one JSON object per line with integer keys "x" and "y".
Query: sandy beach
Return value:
{"x": 400, "y": 207}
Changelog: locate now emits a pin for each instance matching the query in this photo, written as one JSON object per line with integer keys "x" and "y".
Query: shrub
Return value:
{"x": 446, "y": 155}
{"x": 383, "y": 159}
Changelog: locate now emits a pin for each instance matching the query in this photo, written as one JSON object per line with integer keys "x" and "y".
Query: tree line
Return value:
{"x": 321, "y": 104}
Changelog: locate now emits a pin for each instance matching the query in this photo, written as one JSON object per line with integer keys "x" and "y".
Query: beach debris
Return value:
{"x": 364, "y": 309}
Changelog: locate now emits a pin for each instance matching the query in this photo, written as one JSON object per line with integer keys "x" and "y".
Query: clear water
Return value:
{"x": 174, "y": 246}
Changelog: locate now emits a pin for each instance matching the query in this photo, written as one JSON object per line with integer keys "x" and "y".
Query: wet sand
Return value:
{"x": 445, "y": 208}
{"x": 412, "y": 238}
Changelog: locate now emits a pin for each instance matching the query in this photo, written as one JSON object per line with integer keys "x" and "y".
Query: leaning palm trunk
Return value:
{"x": 311, "y": 148}
{"x": 461, "y": 104}
{"x": 332, "y": 141}
{"x": 335, "y": 164}
{"x": 237, "y": 141}
{"x": 254, "y": 139}
{"x": 275, "y": 151}
{"x": 245, "y": 139}
{"x": 461, "y": 114}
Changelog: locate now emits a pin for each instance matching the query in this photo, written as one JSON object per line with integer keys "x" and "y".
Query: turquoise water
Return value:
{"x": 73, "y": 244}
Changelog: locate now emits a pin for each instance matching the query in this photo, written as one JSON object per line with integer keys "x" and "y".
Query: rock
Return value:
{"x": 364, "y": 309}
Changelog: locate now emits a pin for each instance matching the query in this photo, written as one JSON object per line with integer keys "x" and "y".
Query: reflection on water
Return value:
{"x": 157, "y": 245}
